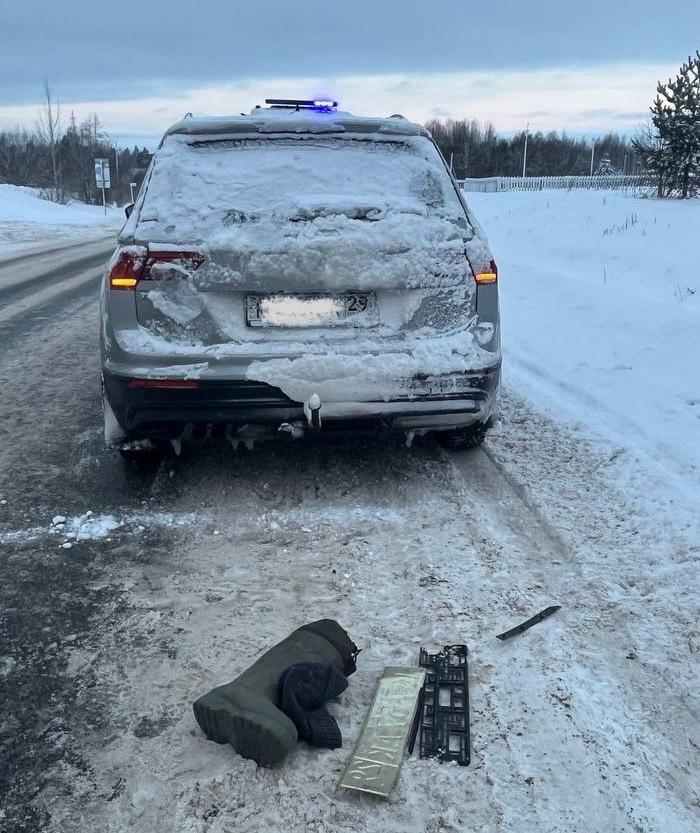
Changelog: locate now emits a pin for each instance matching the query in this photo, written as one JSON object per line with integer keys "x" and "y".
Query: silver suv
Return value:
{"x": 298, "y": 269}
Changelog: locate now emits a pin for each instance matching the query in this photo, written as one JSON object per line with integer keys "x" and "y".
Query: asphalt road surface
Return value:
{"x": 126, "y": 593}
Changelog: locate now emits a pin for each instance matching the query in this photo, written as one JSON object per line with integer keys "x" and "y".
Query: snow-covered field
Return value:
{"x": 26, "y": 219}
{"x": 600, "y": 297}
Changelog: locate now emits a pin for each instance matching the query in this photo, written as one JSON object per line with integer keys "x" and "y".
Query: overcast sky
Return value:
{"x": 583, "y": 67}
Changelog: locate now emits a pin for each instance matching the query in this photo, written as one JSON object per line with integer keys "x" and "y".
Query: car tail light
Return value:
{"x": 127, "y": 267}
{"x": 489, "y": 275}
{"x": 165, "y": 384}
{"x": 135, "y": 263}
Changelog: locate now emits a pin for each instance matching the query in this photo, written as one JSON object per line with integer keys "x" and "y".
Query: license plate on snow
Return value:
{"x": 374, "y": 765}
{"x": 307, "y": 310}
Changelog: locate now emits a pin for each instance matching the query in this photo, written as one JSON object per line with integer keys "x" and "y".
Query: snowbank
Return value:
{"x": 25, "y": 218}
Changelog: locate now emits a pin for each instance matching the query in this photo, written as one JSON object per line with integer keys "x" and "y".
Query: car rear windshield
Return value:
{"x": 200, "y": 187}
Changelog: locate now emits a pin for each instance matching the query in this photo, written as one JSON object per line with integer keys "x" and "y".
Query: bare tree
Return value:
{"x": 648, "y": 145}
{"x": 49, "y": 128}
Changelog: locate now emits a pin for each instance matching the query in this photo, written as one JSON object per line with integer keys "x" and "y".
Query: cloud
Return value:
{"x": 636, "y": 117}
{"x": 597, "y": 114}
{"x": 440, "y": 113}
{"x": 593, "y": 99}
{"x": 140, "y": 50}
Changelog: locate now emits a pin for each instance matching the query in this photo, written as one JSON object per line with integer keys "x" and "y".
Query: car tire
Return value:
{"x": 144, "y": 453}
{"x": 113, "y": 433}
{"x": 462, "y": 439}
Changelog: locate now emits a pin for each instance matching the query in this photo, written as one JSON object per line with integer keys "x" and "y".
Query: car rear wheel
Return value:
{"x": 461, "y": 439}
{"x": 138, "y": 450}
{"x": 114, "y": 434}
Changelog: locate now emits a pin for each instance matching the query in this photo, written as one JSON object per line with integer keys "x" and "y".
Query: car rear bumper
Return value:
{"x": 224, "y": 407}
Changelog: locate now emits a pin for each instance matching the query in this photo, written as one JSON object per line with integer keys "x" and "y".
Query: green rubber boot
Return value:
{"x": 246, "y": 714}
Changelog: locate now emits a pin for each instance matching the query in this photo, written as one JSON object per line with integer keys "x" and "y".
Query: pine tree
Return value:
{"x": 671, "y": 149}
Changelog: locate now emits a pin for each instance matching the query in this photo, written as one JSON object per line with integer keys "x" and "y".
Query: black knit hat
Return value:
{"x": 304, "y": 688}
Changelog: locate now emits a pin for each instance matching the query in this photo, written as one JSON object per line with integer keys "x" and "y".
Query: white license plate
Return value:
{"x": 307, "y": 310}
{"x": 374, "y": 765}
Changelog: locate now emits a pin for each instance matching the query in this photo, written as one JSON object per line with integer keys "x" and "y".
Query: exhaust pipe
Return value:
{"x": 293, "y": 430}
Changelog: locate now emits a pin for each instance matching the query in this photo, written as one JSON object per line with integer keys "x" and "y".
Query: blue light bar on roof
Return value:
{"x": 321, "y": 105}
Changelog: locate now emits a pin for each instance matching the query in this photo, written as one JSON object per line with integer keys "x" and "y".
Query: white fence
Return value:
{"x": 540, "y": 183}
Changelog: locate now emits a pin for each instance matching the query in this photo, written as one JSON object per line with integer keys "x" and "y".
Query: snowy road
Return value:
{"x": 113, "y": 622}
{"x": 32, "y": 284}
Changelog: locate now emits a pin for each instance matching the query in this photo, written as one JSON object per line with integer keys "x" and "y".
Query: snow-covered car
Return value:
{"x": 298, "y": 269}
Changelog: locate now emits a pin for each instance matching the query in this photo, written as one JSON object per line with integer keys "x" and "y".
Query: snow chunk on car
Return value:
{"x": 369, "y": 375}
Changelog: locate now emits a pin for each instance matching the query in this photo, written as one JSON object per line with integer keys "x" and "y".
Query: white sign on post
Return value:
{"x": 102, "y": 178}
{"x": 102, "y": 173}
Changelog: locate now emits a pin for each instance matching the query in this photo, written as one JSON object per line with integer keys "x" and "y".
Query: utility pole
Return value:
{"x": 592, "y": 152}
{"x": 527, "y": 135}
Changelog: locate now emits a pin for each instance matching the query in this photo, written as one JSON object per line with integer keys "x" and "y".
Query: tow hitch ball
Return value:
{"x": 312, "y": 412}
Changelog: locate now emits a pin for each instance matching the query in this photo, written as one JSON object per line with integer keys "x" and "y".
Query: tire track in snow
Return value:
{"x": 52, "y": 459}
{"x": 610, "y": 685}
{"x": 40, "y": 256}
{"x": 35, "y": 289}
{"x": 11, "y": 293}
{"x": 573, "y": 401}
{"x": 41, "y": 299}
{"x": 404, "y": 548}
{"x": 56, "y": 604}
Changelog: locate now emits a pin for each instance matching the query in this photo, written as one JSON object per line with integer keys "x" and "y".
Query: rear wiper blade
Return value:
{"x": 538, "y": 617}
